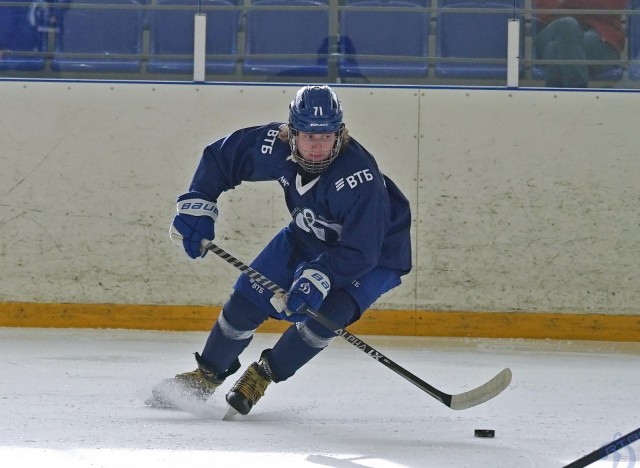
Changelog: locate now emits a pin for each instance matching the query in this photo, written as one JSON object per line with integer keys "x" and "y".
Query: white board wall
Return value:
{"x": 522, "y": 200}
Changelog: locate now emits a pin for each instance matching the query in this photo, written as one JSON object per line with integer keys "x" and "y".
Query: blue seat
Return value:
{"x": 301, "y": 33}
{"x": 19, "y": 33}
{"x": 421, "y": 3}
{"x": 102, "y": 39}
{"x": 171, "y": 33}
{"x": 612, "y": 73}
{"x": 383, "y": 33}
{"x": 474, "y": 35}
{"x": 633, "y": 44}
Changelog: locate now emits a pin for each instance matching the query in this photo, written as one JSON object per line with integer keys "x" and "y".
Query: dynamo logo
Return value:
{"x": 309, "y": 221}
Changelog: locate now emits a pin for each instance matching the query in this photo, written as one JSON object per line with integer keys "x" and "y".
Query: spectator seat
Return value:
{"x": 475, "y": 35}
{"x": 104, "y": 38}
{"x": 381, "y": 33}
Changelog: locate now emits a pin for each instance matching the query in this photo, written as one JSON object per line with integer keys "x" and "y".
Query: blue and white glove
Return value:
{"x": 310, "y": 287}
{"x": 194, "y": 222}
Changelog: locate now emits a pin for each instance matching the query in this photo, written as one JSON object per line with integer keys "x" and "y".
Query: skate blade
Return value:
{"x": 229, "y": 415}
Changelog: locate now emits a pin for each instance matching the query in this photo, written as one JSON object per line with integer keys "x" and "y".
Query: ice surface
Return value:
{"x": 74, "y": 398}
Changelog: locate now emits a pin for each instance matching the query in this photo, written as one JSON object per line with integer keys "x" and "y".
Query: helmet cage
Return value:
{"x": 315, "y": 167}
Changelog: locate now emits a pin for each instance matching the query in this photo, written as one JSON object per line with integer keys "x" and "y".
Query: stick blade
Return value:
{"x": 483, "y": 393}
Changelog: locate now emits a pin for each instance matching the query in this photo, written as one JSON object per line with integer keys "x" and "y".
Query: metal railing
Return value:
{"x": 48, "y": 35}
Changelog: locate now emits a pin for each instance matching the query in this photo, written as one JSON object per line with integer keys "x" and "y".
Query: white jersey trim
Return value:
{"x": 302, "y": 189}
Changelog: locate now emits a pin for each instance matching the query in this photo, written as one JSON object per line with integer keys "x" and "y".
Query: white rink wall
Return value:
{"x": 523, "y": 200}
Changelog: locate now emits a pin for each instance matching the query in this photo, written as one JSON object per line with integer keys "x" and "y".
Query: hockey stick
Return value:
{"x": 606, "y": 450}
{"x": 465, "y": 400}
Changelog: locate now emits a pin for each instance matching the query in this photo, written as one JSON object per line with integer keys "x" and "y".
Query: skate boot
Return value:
{"x": 194, "y": 386}
{"x": 250, "y": 387}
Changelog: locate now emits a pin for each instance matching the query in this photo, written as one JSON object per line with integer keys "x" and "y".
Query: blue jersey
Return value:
{"x": 351, "y": 217}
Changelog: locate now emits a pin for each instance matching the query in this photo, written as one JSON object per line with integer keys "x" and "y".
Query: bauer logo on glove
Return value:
{"x": 194, "y": 223}
{"x": 199, "y": 208}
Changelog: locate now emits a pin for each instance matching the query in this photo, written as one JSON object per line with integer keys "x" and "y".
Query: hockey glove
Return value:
{"x": 194, "y": 222}
{"x": 310, "y": 287}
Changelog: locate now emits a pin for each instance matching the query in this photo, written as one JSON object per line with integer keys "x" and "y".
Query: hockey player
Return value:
{"x": 347, "y": 244}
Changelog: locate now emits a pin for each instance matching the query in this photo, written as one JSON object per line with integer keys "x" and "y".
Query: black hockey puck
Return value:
{"x": 484, "y": 433}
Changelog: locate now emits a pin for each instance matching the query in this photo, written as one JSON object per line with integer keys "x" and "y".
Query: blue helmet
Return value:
{"x": 315, "y": 109}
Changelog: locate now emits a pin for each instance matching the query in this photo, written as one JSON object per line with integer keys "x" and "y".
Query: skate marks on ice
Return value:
{"x": 77, "y": 396}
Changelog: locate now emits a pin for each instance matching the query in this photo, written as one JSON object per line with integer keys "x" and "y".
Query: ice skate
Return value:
{"x": 249, "y": 388}
{"x": 189, "y": 387}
